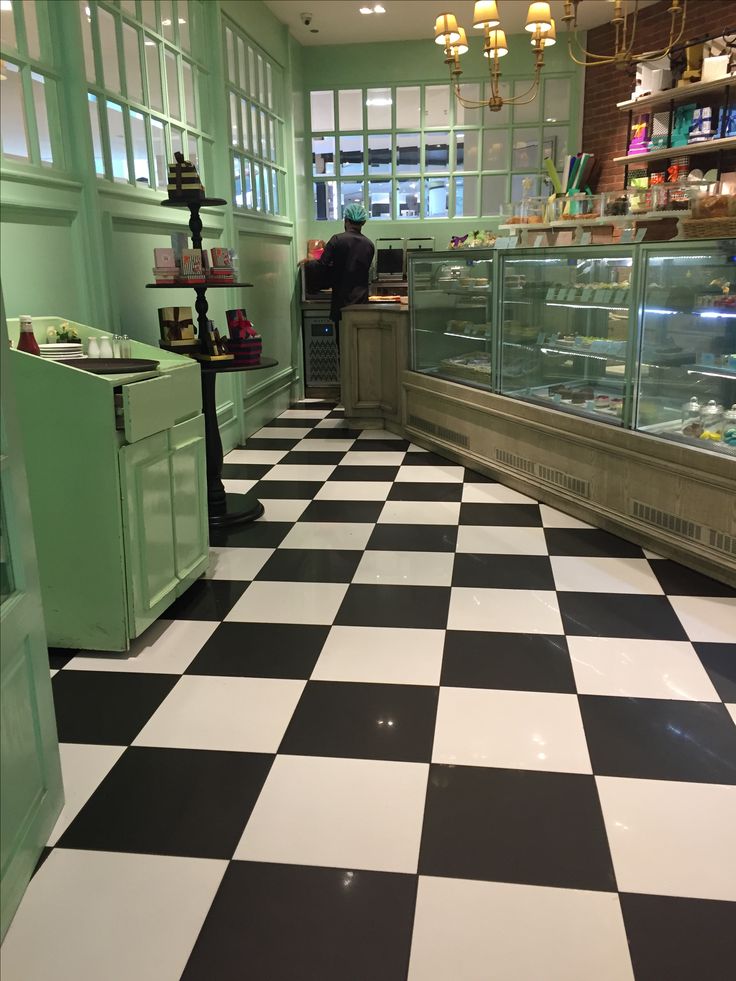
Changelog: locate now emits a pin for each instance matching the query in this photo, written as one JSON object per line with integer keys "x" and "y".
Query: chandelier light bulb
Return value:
{"x": 446, "y": 30}
{"x": 549, "y": 37}
{"x": 460, "y": 47}
{"x": 485, "y": 15}
{"x": 538, "y": 16}
{"x": 496, "y": 44}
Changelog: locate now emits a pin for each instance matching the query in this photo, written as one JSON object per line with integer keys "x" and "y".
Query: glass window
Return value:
{"x": 466, "y": 197}
{"x": 351, "y": 155}
{"x": 133, "y": 77}
{"x": 261, "y": 83}
{"x": 379, "y": 199}
{"x": 435, "y": 197}
{"x": 325, "y": 200}
{"x": 244, "y": 125}
{"x": 527, "y": 112}
{"x": 379, "y": 104}
{"x": 183, "y": 12}
{"x": 436, "y": 151}
{"x": 323, "y": 155}
{"x": 351, "y": 192}
{"x": 39, "y": 84}
{"x": 524, "y": 186}
{"x": 140, "y": 149}
{"x": 7, "y": 26}
{"x": 188, "y": 75}
{"x": 172, "y": 84}
{"x": 158, "y": 139}
{"x": 436, "y": 105}
{"x": 86, "y": 22}
{"x": 248, "y": 184}
{"x": 556, "y": 99}
{"x": 526, "y": 150}
{"x": 166, "y": 9}
{"x": 407, "y": 107}
{"x": 467, "y": 150}
{"x": 237, "y": 181}
{"x": 379, "y": 153}
{"x": 193, "y": 149}
{"x": 496, "y": 149}
{"x": 264, "y": 136}
{"x": 129, "y": 7}
{"x": 272, "y": 139}
{"x": 554, "y": 144}
{"x": 148, "y": 9}
{"x": 275, "y": 192}
{"x": 153, "y": 69}
{"x": 257, "y": 192}
{"x": 94, "y": 121}
{"x": 177, "y": 140}
{"x": 350, "y": 108}
{"x": 230, "y": 55}
{"x": 503, "y": 116}
{"x": 33, "y": 43}
{"x": 323, "y": 111}
{"x": 235, "y": 139}
{"x": 108, "y": 49}
{"x": 407, "y": 198}
{"x": 494, "y": 193}
{"x": 12, "y": 114}
{"x": 468, "y": 117}
{"x": 407, "y": 153}
{"x": 118, "y": 149}
{"x": 252, "y": 75}
{"x": 269, "y": 95}
{"x": 254, "y": 138}
{"x": 266, "y": 174}
{"x": 242, "y": 64}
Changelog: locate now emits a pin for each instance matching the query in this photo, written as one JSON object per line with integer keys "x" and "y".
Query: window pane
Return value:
{"x": 129, "y": 7}
{"x": 496, "y": 149}
{"x": 554, "y": 145}
{"x": 437, "y": 151}
{"x": 177, "y": 140}
{"x": 248, "y": 184}
{"x": 407, "y": 153}
{"x": 351, "y": 192}
{"x": 254, "y": 129}
{"x": 465, "y": 116}
{"x": 325, "y": 200}
{"x": 275, "y": 193}
{"x": 244, "y": 124}
{"x": 435, "y": 197}
{"x": 193, "y": 149}
{"x": 350, "y": 108}
{"x": 234, "y": 137}
{"x": 183, "y": 15}
{"x": 242, "y": 65}
{"x": 266, "y": 173}
{"x": 230, "y": 52}
{"x": 261, "y": 81}
{"x": 269, "y": 90}
{"x": 322, "y": 110}
{"x": 89, "y": 61}
{"x": 524, "y": 186}
{"x": 188, "y": 75}
{"x": 108, "y": 49}
{"x": 467, "y": 150}
{"x": 493, "y": 194}
{"x": 148, "y": 8}
{"x": 172, "y": 84}
{"x": 38, "y": 84}
{"x": 528, "y": 113}
{"x": 407, "y": 199}
{"x": 7, "y": 25}
{"x": 351, "y": 155}
{"x": 503, "y": 116}
{"x": 132, "y": 63}
{"x": 264, "y": 136}
{"x": 526, "y": 150}
{"x": 556, "y": 99}
{"x": 158, "y": 139}
{"x": 272, "y": 139}
{"x": 252, "y": 72}
{"x": 436, "y": 105}
{"x": 32, "y": 40}
{"x": 140, "y": 149}
{"x": 257, "y": 199}
{"x": 94, "y": 121}
{"x": 323, "y": 155}
{"x": 166, "y": 8}
{"x": 379, "y": 108}
{"x": 12, "y": 114}
{"x": 153, "y": 66}
{"x": 379, "y": 154}
{"x": 238, "y": 182}
{"x": 466, "y": 197}
{"x": 118, "y": 150}
{"x": 379, "y": 199}
{"x": 407, "y": 107}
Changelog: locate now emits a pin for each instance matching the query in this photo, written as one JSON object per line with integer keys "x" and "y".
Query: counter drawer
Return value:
{"x": 186, "y": 390}
{"x": 148, "y": 407}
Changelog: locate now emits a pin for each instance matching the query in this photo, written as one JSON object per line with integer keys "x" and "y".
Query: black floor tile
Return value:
{"x": 387, "y": 474}
{"x": 505, "y": 515}
{"x": 381, "y": 445}
{"x": 304, "y": 458}
{"x": 209, "y": 599}
{"x": 414, "y": 538}
{"x": 320, "y": 404}
{"x": 61, "y": 656}
{"x": 330, "y": 432}
{"x": 258, "y": 534}
{"x": 518, "y": 662}
{"x": 171, "y": 802}
{"x": 269, "y": 443}
{"x": 660, "y": 739}
{"x": 394, "y": 606}
{"x": 45, "y": 852}
{"x": 680, "y": 939}
{"x": 360, "y": 511}
{"x": 503, "y": 571}
{"x": 473, "y": 477}
{"x": 363, "y": 721}
{"x": 245, "y": 471}
{"x": 261, "y": 650}
{"x": 413, "y": 490}
{"x": 107, "y": 707}
{"x": 611, "y": 615}
{"x": 290, "y": 922}
{"x": 678, "y": 580}
{"x": 589, "y": 541}
{"x": 289, "y": 490}
{"x": 524, "y": 826}
{"x": 311, "y": 565}
{"x": 302, "y": 423}
{"x": 428, "y": 459}
{"x": 719, "y": 661}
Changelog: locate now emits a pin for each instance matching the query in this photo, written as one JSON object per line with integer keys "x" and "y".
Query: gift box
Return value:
{"x": 221, "y": 258}
{"x": 192, "y": 269}
{"x": 164, "y": 258}
{"x": 165, "y": 276}
{"x": 176, "y": 326}
{"x": 184, "y": 181}
{"x": 245, "y": 343}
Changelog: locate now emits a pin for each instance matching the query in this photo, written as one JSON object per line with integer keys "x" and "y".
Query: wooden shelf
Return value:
{"x": 196, "y": 286}
{"x": 689, "y": 150}
{"x": 676, "y": 95}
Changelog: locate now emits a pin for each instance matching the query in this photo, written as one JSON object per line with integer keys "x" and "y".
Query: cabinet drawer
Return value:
{"x": 148, "y": 407}
{"x": 186, "y": 390}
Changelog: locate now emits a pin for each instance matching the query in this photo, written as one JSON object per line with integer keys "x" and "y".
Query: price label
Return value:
{"x": 513, "y": 241}
{"x": 627, "y": 235}
{"x": 601, "y": 296}
{"x": 640, "y": 233}
{"x": 586, "y": 238}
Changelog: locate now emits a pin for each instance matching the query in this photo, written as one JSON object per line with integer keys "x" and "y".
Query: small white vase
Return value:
{"x": 93, "y": 348}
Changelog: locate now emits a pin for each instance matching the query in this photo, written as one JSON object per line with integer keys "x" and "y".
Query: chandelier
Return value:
{"x": 540, "y": 25}
{"x": 624, "y": 17}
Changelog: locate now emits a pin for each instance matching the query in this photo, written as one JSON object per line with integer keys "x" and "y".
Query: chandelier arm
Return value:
{"x": 521, "y": 100}
{"x": 651, "y": 55}
{"x": 599, "y": 59}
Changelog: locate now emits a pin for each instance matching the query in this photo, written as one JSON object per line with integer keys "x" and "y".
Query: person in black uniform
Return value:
{"x": 346, "y": 260}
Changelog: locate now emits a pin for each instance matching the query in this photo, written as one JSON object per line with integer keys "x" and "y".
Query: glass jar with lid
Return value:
{"x": 691, "y": 423}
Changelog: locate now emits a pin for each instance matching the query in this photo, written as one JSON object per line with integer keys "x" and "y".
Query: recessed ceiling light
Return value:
{"x": 182, "y": 21}
{"x": 366, "y": 10}
{"x": 6, "y": 5}
{"x": 166, "y": 22}
{"x": 378, "y": 9}
{"x": 150, "y": 44}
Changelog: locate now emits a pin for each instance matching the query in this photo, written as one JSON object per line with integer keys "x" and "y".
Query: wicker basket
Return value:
{"x": 724, "y": 227}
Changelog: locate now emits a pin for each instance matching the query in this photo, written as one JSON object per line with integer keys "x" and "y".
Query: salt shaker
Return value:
{"x": 125, "y": 346}
{"x": 93, "y": 348}
{"x": 105, "y": 347}
{"x": 116, "y": 345}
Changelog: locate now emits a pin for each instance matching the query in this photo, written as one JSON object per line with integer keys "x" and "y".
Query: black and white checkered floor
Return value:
{"x": 414, "y": 724}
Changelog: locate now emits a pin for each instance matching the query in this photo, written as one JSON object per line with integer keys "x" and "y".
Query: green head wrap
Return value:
{"x": 356, "y": 213}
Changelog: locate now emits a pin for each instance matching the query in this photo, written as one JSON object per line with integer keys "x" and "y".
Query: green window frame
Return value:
{"x": 146, "y": 86}
{"x": 255, "y": 97}
{"x": 30, "y": 119}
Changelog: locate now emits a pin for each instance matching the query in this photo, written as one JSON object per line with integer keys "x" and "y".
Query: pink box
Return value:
{"x": 164, "y": 258}
{"x": 191, "y": 263}
{"x": 221, "y": 258}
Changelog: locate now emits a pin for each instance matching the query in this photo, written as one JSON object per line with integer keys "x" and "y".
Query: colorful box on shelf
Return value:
{"x": 184, "y": 181}
{"x": 221, "y": 258}
{"x": 192, "y": 267}
{"x": 163, "y": 276}
{"x": 176, "y": 326}
{"x": 245, "y": 343}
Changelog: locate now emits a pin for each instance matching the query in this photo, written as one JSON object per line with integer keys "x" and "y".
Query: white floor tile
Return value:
{"x": 332, "y": 424}
{"x": 413, "y": 448}
{"x": 305, "y": 414}
{"x": 323, "y": 446}
{"x": 241, "y": 564}
{"x": 521, "y": 730}
{"x": 449, "y": 474}
{"x": 630, "y": 668}
{"x": 90, "y": 915}
{"x": 255, "y": 456}
{"x": 593, "y": 574}
{"x": 247, "y": 715}
{"x": 420, "y": 513}
{"x": 353, "y": 490}
{"x": 344, "y": 813}
{"x": 551, "y": 518}
{"x": 281, "y": 432}
{"x": 378, "y": 434}
{"x": 359, "y": 458}
{"x": 389, "y": 655}
{"x": 466, "y": 930}
{"x": 235, "y": 486}
{"x": 167, "y": 647}
{"x": 651, "y": 555}
{"x": 83, "y": 767}
{"x": 711, "y": 619}
{"x": 493, "y": 494}
{"x": 528, "y": 611}
{"x": 405, "y": 568}
{"x": 289, "y": 602}
{"x": 329, "y": 534}
{"x": 671, "y": 838}
{"x": 732, "y": 712}
{"x": 282, "y": 509}
{"x": 501, "y": 540}
{"x": 53, "y": 672}
{"x": 288, "y": 471}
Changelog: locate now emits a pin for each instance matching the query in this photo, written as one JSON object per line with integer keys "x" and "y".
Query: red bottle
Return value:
{"x": 26, "y": 339}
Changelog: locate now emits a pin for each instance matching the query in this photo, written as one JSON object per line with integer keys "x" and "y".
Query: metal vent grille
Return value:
{"x": 449, "y": 435}
{"x": 665, "y": 519}
{"x": 561, "y": 479}
{"x": 722, "y": 542}
{"x": 515, "y": 461}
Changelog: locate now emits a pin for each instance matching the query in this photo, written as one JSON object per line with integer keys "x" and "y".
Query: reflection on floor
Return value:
{"x": 413, "y": 725}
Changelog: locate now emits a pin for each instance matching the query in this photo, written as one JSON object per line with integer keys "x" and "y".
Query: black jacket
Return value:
{"x": 348, "y": 257}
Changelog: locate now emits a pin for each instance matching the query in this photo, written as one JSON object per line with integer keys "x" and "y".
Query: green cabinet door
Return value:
{"x": 189, "y": 489}
{"x": 31, "y": 793}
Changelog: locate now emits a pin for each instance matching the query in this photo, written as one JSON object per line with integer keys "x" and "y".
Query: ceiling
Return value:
{"x": 339, "y": 21}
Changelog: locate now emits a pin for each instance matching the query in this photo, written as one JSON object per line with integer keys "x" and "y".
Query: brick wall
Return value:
{"x": 604, "y": 126}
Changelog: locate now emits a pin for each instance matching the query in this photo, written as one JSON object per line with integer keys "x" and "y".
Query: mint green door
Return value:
{"x": 31, "y": 793}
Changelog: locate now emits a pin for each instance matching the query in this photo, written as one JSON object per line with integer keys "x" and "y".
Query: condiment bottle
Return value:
{"x": 711, "y": 416}
{"x": 691, "y": 412}
{"x": 93, "y": 348}
{"x": 125, "y": 346}
{"x": 27, "y": 339}
{"x": 116, "y": 341}
{"x": 105, "y": 347}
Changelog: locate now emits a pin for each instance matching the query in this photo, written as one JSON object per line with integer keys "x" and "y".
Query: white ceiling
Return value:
{"x": 339, "y": 21}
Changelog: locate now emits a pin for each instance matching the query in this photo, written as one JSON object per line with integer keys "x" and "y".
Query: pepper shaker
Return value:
{"x": 125, "y": 346}
{"x": 116, "y": 341}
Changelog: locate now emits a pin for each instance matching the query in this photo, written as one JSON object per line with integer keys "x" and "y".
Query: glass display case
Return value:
{"x": 567, "y": 328}
{"x": 687, "y": 371}
{"x": 452, "y": 315}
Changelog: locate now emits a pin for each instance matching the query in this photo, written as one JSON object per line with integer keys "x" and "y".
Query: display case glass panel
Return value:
{"x": 566, "y": 331}
{"x": 451, "y": 302}
{"x": 687, "y": 375}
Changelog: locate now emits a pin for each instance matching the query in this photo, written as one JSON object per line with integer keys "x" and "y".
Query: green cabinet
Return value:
{"x": 189, "y": 488}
